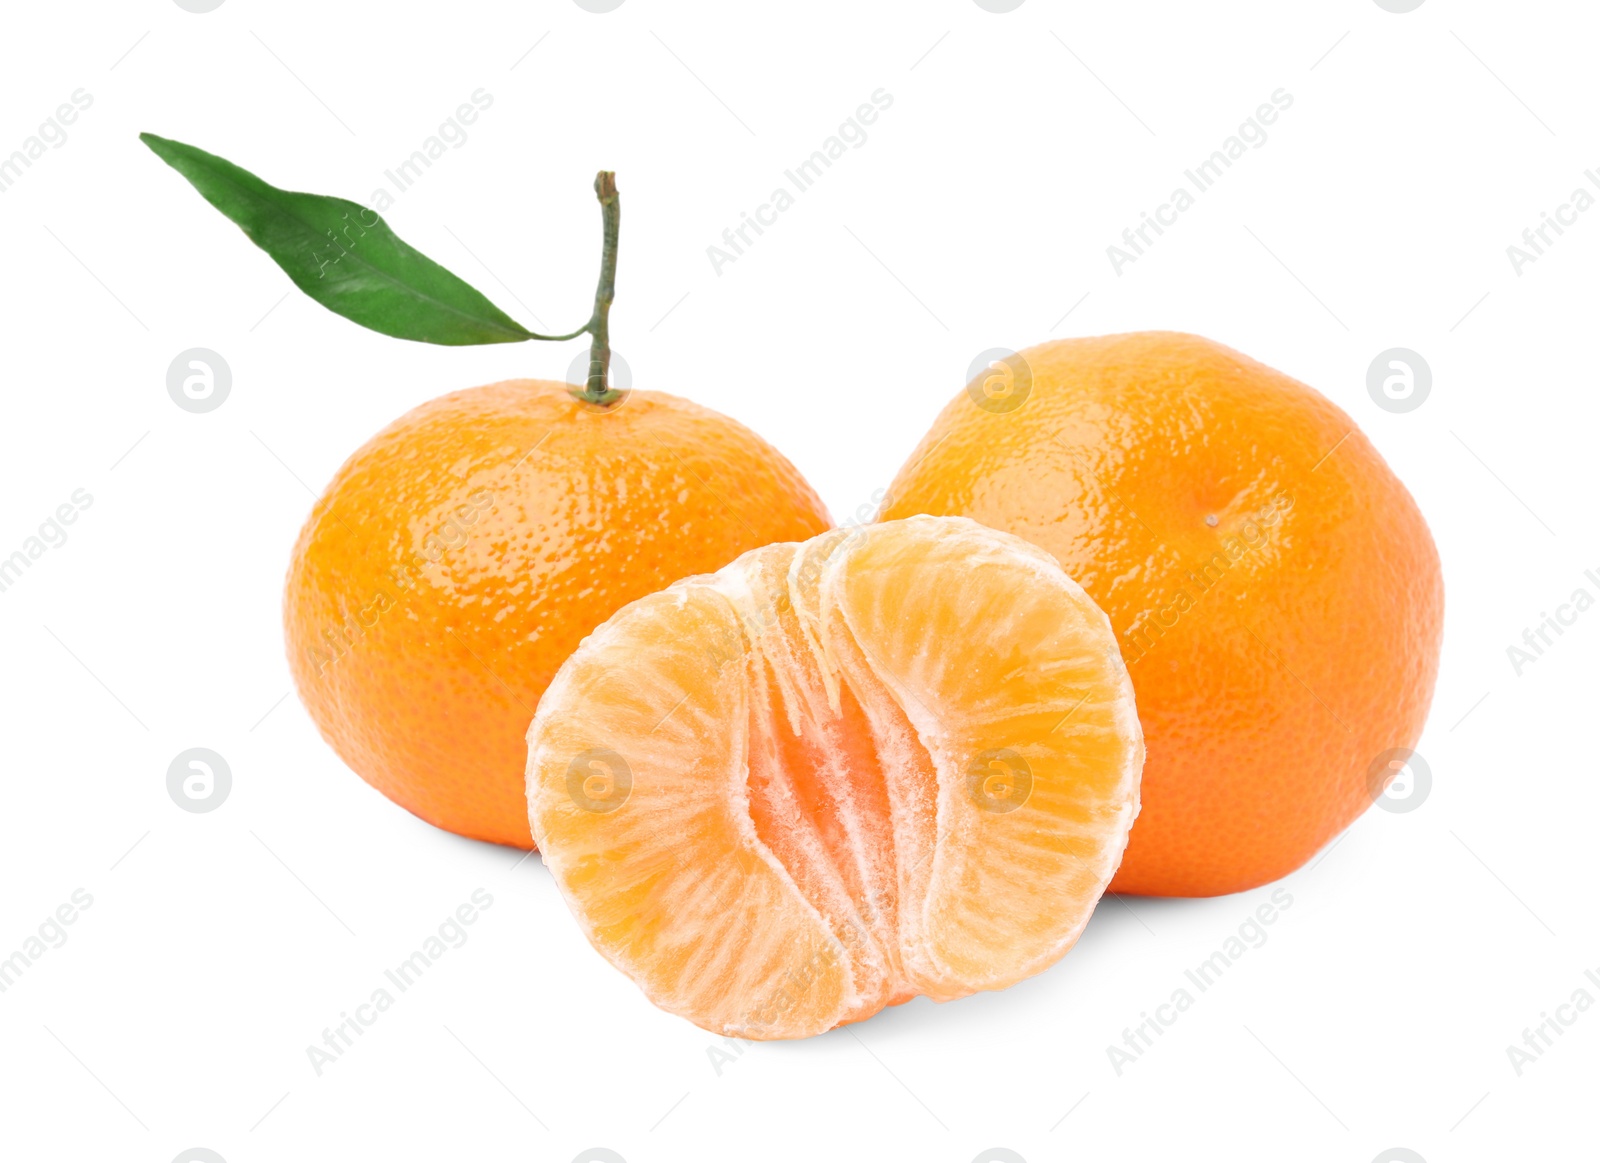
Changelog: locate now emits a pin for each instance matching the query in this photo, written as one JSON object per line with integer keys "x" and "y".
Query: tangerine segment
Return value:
{"x": 889, "y": 761}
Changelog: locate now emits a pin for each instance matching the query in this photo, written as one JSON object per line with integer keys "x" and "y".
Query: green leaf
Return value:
{"x": 344, "y": 255}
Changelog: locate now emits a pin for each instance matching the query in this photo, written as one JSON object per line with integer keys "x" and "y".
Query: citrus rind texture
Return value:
{"x": 461, "y": 555}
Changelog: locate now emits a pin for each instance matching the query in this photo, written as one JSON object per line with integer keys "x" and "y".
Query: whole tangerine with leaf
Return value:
{"x": 462, "y": 553}
{"x": 1274, "y": 588}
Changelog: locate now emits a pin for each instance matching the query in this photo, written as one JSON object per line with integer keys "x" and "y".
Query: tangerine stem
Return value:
{"x": 598, "y": 389}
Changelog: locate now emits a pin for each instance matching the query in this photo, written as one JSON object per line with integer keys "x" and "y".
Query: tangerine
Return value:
{"x": 1274, "y": 588}
{"x": 462, "y": 554}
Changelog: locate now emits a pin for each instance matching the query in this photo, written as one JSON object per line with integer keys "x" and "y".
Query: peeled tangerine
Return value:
{"x": 894, "y": 760}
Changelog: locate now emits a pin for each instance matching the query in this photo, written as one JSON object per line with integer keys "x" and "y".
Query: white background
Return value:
{"x": 219, "y": 946}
